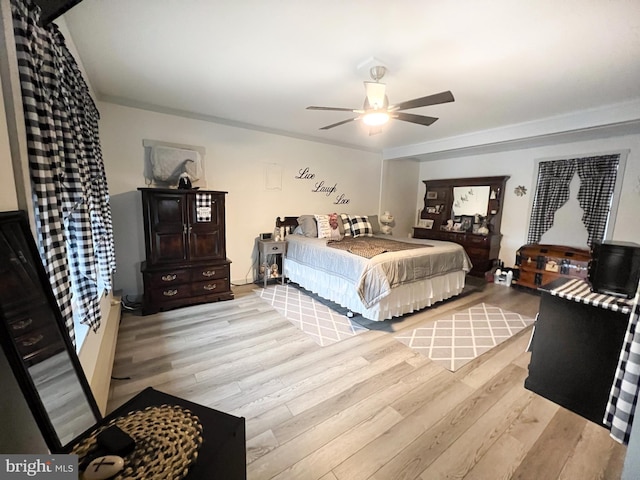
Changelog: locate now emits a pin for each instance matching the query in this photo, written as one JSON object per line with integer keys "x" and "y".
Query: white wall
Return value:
{"x": 235, "y": 161}
{"x": 520, "y": 165}
{"x": 399, "y": 189}
{"x": 8, "y": 197}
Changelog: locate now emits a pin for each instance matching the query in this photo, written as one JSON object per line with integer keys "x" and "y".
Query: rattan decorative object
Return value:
{"x": 167, "y": 441}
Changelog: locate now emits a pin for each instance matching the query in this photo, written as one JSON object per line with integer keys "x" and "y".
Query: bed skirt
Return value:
{"x": 401, "y": 300}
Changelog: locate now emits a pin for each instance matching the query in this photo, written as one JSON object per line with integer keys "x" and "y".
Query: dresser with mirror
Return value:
{"x": 467, "y": 211}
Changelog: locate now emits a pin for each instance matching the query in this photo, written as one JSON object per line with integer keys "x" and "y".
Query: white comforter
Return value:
{"x": 374, "y": 278}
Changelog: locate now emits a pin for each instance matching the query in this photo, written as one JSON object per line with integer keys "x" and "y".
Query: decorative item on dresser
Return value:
{"x": 539, "y": 264}
{"x": 467, "y": 211}
{"x": 185, "y": 247}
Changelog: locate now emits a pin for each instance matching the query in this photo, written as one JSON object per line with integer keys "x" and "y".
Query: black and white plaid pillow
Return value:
{"x": 360, "y": 226}
{"x": 346, "y": 226}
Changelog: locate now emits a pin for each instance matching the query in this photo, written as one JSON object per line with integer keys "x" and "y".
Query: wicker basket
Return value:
{"x": 167, "y": 441}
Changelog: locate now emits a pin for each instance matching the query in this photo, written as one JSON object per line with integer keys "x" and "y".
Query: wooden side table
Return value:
{"x": 271, "y": 247}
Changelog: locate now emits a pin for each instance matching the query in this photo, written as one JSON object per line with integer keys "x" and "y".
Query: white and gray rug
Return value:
{"x": 324, "y": 324}
{"x": 458, "y": 338}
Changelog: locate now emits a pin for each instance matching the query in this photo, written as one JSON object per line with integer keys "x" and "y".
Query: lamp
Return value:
{"x": 386, "y": 219}
{"x": 375, "y": 119}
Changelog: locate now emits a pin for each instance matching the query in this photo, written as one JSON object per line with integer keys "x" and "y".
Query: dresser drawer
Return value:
{"x": 477, "y": 241}
{"x": 31, "y": 344}
{"x": 210, "y": 272}
{"x": 30, "y": 319}
{"x": 270, "y": 248}
{"x": 170, "y": 292}
{"x": 167, "y": 277}
{"x": 479, "y": 253}
{"x": 210, "y": 286}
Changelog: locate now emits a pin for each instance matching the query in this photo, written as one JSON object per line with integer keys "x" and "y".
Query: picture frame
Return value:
{"x": 466, "y": 223}
{"x": 457, "y": 227}
{"x": 432, "y": 195}
{"x": 426, "y": 223}
{"x": 431, "y": 210}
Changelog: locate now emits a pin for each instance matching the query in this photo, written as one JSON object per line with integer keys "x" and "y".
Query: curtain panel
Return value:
{"x": 551, "y": 194}
{"x": 597, "y": 181}
{"x": 69, "y": 189}
{"x": 623, "y": 397}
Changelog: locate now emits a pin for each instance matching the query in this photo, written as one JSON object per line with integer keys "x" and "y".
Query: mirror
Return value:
{"x": 471, "y": 200}
{"x": 35, "y": 341}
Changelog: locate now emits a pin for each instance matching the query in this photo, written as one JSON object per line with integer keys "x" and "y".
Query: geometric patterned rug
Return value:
{"x": 323, "y": 324}
{"x": 458, "y": 338}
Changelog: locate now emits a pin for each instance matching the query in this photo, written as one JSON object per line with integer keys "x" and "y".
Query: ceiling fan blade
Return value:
{"x": 339, "y": 123}
{"x": 410, "y": 117}
{"x": 335, "y": 109}
{"x": 442, "y": 97}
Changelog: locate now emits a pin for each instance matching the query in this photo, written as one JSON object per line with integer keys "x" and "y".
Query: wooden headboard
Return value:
{"x": 290, "y": 222}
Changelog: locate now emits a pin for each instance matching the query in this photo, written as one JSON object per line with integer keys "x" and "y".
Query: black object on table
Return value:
{"x": 222, "y": 454}
{"x": 575, "y": 352}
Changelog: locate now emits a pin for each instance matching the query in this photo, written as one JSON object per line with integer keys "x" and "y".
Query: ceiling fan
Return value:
{"x": 377, "y": 111}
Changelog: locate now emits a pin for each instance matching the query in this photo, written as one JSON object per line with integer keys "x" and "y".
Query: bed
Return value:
{"x": 387, "y": 285}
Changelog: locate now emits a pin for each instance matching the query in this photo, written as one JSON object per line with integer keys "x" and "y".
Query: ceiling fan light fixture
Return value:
{"x": 374, "y": 119}
{"x": 376, "y": 94}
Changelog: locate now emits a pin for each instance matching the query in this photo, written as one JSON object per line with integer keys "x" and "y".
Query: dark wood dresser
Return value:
{"x": 186, "y": 261}
{"x": 439, "y": 207}
{"x": 482, "y": 249}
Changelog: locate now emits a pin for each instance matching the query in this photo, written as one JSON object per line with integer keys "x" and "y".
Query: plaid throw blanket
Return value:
{"x": 369, "y": 247}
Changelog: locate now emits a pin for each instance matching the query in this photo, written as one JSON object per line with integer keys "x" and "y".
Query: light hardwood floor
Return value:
{"x": 367, "y": 407}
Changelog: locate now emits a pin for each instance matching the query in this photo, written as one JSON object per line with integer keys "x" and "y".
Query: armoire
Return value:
{"x": 185, "y": 245}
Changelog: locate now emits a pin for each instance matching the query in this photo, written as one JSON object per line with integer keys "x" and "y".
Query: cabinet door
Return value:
{"x": 168, "y": 227}
{"x": 206, "y": 233}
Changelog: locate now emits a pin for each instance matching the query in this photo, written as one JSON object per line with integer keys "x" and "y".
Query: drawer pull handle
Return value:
{"x": 208, "y": 273}
{"x": 169, "y": 278}
{"x": 22, "y": 324}
{"x": 210, "y": 286}
{"x": 170, "y": 293}
{"x": 275, "y": 248}
{"x": 30, "y": 342}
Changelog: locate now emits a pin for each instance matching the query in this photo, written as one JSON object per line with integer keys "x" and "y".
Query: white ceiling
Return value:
{"x": 261, "y": 62}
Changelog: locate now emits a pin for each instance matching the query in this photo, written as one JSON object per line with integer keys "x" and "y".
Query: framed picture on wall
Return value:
{"x": 432, "y": 195}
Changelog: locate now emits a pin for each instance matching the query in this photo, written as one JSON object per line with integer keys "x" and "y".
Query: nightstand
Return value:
{"x": 271, "y": 247}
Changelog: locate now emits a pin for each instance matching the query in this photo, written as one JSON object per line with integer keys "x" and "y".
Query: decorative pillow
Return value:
{"x": 360, "y": 226}
{"x": 298, "y": 230}
{"x": 335, "y": 222}
{"x": 324, "y": 229}
{"x": 346, "y": 226}
{"x": 308, "y": 224}
{"x": 375, "y": 224}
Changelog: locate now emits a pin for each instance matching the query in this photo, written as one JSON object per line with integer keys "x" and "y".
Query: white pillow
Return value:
{"x": 324, "y": 229}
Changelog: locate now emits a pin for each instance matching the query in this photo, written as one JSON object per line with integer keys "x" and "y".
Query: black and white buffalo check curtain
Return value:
{"x": 69, "y": 189}
{"x": 597, "y": 180}
{"x": 623, "y": 398}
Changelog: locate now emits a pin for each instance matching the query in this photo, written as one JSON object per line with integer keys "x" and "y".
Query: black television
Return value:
{"x": 614, "y": 268}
